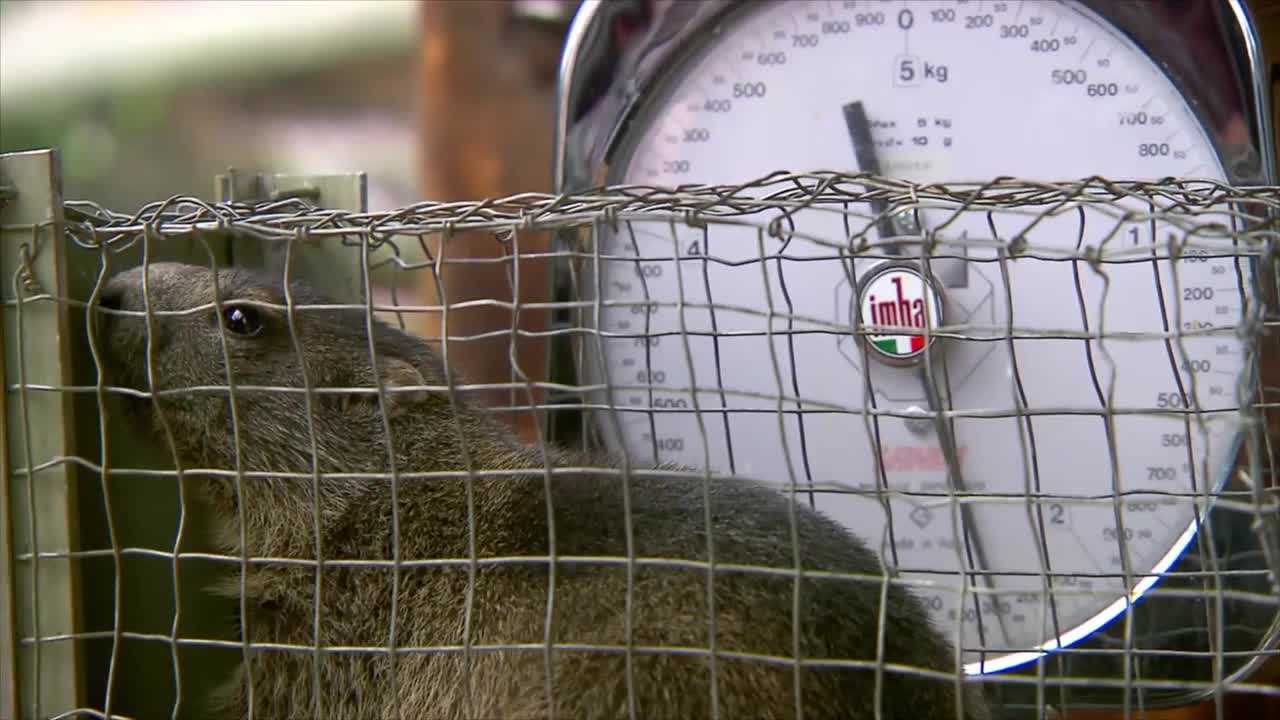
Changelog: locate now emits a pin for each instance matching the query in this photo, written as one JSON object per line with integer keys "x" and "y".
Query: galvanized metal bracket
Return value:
{"x": 335, "y": 265}
{"x": 342, "y": 191}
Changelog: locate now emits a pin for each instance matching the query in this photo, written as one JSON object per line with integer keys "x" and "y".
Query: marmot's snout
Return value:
{"x": 118, "y": 296}
{"x": 124, "y": 291}
{"x": 115, "y": 298}
{"x": 123, "y": 327}
{"x": 120, "y": 326}
{"x": 112, "y": 298}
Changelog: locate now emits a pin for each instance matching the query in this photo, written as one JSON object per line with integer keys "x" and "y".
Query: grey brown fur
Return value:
{"x": 509, "y": 602}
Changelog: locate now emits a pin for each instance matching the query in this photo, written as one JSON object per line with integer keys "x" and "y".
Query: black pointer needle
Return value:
{"x": 952, "y": 272}
{"x": 968, "y": 523}
{"x": 864, "y": 152}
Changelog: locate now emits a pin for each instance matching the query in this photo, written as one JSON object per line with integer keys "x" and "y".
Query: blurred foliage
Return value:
{"x": 171, "y": 131}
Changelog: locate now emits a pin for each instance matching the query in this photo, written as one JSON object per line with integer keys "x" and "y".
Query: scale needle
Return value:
{"x": 972, "y": 540}
{"x": 951, "y": 272}
{"x": 864, "y": 152}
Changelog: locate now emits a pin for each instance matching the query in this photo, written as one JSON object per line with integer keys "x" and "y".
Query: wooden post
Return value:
{"x": 487, "y": 98}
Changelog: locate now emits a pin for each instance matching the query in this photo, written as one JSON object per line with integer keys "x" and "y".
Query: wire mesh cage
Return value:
{"x": 1059, "y": 440}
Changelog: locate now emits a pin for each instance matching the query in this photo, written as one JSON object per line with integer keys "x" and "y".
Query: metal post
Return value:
{"x": 39, "y": 608}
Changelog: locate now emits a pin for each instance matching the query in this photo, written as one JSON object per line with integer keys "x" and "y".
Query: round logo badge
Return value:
{"x": 897, "y": 304}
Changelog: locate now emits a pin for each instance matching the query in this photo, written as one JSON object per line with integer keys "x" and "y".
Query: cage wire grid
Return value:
{"x": 779, "y": 221}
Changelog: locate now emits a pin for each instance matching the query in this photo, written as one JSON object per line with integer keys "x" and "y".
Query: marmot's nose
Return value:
{"x": 112, "y": 296}
{"x": 118, "y": 293}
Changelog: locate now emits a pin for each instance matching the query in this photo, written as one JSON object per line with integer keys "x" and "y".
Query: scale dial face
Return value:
{"x": 950, "y": 90}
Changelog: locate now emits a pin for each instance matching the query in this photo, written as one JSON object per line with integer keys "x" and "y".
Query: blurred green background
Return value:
{"x": 167, "y": 93}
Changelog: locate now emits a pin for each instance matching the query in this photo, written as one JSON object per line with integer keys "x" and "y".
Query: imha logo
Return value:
{"x": 898, "y": 297}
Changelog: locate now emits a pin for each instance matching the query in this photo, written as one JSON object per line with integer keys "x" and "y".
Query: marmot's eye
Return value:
{"x": 242, "y": 319}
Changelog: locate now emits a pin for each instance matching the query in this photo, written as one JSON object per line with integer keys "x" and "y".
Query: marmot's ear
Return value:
{"x": 396, "y": 376}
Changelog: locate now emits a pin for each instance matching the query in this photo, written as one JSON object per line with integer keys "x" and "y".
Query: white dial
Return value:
{"x": 951, "y": 90}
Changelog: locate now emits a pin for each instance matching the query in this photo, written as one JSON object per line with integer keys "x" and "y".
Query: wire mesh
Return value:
{"x": 1075, "y": 475}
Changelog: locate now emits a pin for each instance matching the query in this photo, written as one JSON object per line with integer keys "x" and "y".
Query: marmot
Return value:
{"x": 439, "y": 612}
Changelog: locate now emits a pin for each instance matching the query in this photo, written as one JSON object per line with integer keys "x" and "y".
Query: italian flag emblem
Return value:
{"x": 900, "y": 344}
